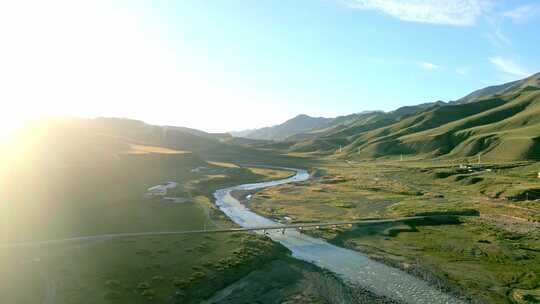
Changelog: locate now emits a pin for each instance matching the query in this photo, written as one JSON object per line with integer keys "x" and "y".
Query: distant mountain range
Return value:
{"x": 295, "y": 126}
{"x": 501, "y": 122}
{"x": 305, "y": 126}
{"x": 292, "y": 126}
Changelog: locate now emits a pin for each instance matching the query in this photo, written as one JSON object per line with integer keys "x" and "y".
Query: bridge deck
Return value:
{"x": 187, "y": 232}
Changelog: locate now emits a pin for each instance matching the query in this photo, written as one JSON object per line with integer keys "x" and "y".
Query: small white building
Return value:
{"x": 538, "y": 174}
{"x": 199, "y": 169}
{"x": 160, "y": 190}
{"x": 171, "y": 185}
{"x": 175, "y": 200}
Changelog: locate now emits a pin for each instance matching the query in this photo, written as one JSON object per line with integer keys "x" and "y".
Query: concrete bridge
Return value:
{"x": 280, "y": 227}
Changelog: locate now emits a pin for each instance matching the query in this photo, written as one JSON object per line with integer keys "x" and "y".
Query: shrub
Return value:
{"x": 148, "y": 293}
{"x": 111, "y": 295}
{"x": 113, "y": 284}
{"x": 180, "y": 283}
{"x": 199, "y": 274}
{"x": 530, "y": 299}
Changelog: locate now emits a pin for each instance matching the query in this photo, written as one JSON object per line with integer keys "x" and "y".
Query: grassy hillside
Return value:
{"x": 298, "y": 124}
{"x": 73, "y": 177}
{"x": 503, "y": 125}
{"x": 89, "y": 176}
{"x": 533, "y": 81}
{"x": 305, "y": 127}
{"x": 340, "y": 123}
{"x": 492, "y": 256}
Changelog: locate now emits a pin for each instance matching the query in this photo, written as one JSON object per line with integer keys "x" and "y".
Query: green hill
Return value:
{"x": 298, "y": 124}
{"x": 303, "y": 127}
{"x": 530, "y": 82}
{"x": 500, "y": 122}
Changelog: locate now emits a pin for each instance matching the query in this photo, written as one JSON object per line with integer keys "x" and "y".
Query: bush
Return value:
{"x": 528, "y": 281}
{"x": 199, "y": 275}
{"x": 180, "y": 283}
{"x": 111, "y": 295}
{"x": 530, "y": 299}
{"x": 113, "y": 284}
{"x": 444, "y": 174}
{"x": 148, "y": 293}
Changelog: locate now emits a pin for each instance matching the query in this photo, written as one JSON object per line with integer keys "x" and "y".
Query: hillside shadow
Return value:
{"x": 395, "y": 228}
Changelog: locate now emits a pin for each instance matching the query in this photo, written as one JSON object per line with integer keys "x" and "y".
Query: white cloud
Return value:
{"x": 509, "y": 67}
{"x": 522, "y": 13}
{"x": 449, "y": 12}
{"x": 462, "y": 71}
{"x": 428, "y": 65}
{"x": 501, "y": 37}
{"x": 498, "y": 38}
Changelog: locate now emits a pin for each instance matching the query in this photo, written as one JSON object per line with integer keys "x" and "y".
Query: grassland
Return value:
{"x": 498, "y": 127}
{"x": 146, "y": 149}
{"x": 493, "y": 257}
{"x": 164, "y": 269}
{"x": 79, "y": 197}
{"x": 77, "y": 184}
{"x": 274, "y": 174}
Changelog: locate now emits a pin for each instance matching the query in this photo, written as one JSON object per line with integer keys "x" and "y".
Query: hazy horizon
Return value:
{"x": 232, "y": 65}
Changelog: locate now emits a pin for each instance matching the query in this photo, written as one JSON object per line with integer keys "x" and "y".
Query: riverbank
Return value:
{"x": 416, "y": 269}
{"x": 351, "y": 266}
{"x": 492, "y": 258}
{"x": 161, "y": 269}
{"x": 292, "y": 281}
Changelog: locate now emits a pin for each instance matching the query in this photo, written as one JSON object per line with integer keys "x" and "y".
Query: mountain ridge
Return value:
{"x": 500, "y": 122}
{"x": 283, "y": 131}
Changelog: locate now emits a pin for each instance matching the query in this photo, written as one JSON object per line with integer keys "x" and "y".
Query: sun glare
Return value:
{"x": 9, "y": 127}
{"x": 122, "y": 66}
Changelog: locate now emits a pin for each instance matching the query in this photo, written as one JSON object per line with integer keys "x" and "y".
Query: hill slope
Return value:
{"x": 298, "y": 124}
{"x": 500, "y": 122}
{"x": 501, "y": 89}
{"x": 88, "y": 142}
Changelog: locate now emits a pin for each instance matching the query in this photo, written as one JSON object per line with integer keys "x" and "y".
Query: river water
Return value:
{"x": 351, "y": 266}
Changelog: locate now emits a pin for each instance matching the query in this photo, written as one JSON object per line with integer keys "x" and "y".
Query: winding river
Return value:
{"x": 351, "y": 266}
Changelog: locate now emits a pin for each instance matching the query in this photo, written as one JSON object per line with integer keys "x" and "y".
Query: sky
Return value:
{"x": 222, "y": 65}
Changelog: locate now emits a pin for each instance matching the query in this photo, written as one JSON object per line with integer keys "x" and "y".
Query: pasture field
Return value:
{"x": 146, "y": 149}
{"x": 492, "y": 255}
{"x": 109, "y": 198}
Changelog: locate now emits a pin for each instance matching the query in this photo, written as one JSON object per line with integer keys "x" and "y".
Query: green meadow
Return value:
{"x": 107, "y": 196}
{"x": 490, "y": 254}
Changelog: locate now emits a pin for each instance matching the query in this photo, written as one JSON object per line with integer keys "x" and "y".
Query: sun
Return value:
{"x": 9, "y": 127}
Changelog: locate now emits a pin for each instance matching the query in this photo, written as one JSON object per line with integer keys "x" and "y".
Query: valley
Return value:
{"x": 471, "y": 167}
{"x": 270, "y": 152}
{"x": 498, "y": 238}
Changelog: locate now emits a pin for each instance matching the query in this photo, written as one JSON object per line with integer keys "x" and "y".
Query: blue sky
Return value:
{"x": 259, "y": 62}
